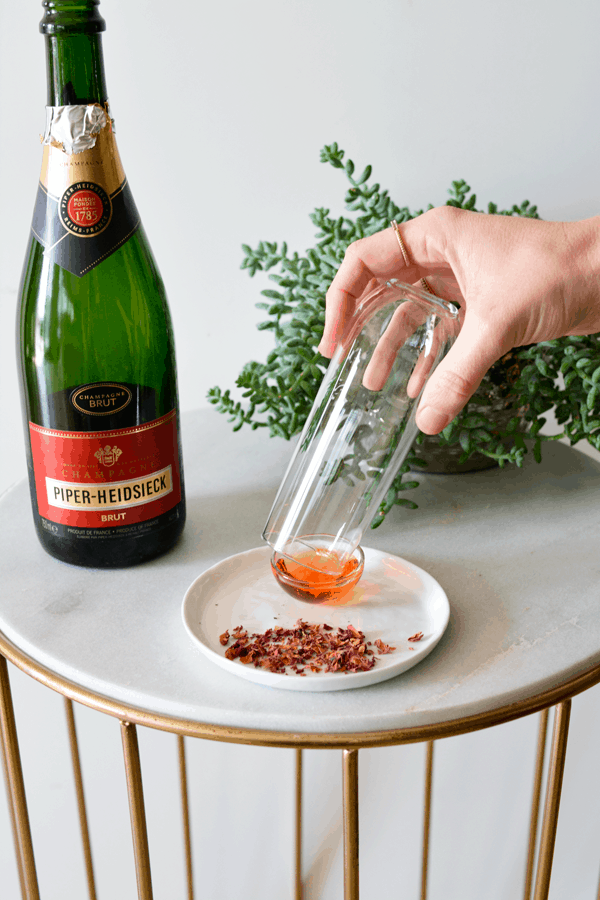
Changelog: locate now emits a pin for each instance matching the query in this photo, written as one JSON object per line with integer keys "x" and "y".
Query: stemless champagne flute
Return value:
{"x": 357, "y": 435}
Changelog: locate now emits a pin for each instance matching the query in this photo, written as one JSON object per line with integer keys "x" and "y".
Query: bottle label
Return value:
{"x": 106, "y": 479}
{"x": 84, "y": 209}
{"x": 100, "y": 406}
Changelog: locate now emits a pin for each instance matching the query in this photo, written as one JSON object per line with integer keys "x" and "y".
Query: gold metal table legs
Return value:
{"x": 350, "y": 813}
{"x": 351, "y": 828}
{"x": 298, "y": 826}
{"x": 535, "y": 802}
{"x": 135, "y": 791}
{"x": 133, "y": 772}
{"x": 22, "y": 832}
{"x": 555, "y": 776}
{"x": 549, "y": 825}
{"x": 426, "y": 817}
{"x": 83, "y": 822}
{"x": 185, "y": 811}
{"x": 15, "y": 790}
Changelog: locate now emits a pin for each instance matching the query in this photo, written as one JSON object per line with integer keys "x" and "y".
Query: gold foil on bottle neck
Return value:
{"x": 99, "y": 164}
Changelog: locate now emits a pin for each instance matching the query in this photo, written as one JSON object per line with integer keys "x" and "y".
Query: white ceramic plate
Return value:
{"x": 392, "y": 601}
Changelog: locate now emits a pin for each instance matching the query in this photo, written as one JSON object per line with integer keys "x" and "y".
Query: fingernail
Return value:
{"x": 431, "y": 420}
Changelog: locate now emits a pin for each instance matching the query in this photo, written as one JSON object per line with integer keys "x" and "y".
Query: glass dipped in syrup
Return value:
{"x": 317, "y": 574}
{"x": 359, "y": 431}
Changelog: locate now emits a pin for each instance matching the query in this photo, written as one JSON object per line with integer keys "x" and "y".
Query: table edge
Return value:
{"x": 307, "y": 740}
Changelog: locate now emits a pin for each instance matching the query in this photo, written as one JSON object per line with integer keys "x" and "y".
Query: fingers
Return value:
{"x": 458, "y": 376}
{"x": 339, "y": 311}
{"x": 405, "y": 321}
{"x": 376, "y": 257}
{"x": 379, "y": 256}
{"x": 425, "y": 363}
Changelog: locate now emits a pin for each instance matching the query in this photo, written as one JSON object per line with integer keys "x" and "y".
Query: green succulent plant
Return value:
{"x": 278, "y": 394}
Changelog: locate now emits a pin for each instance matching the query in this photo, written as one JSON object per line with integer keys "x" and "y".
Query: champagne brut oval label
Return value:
{"x": 101, "y": 398}
{"x": 106, "y": 479}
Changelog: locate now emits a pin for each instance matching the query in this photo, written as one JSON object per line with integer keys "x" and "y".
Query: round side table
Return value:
{"x": 514, "y": 549}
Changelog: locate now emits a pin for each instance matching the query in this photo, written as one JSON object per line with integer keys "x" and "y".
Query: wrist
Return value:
{"x": 584, "y": 281}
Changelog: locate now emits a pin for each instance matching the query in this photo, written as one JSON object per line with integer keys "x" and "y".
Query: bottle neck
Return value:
{"x": 74, "y": 62}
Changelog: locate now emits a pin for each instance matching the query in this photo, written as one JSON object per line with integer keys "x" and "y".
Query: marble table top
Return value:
{"x": 516, "y": 550}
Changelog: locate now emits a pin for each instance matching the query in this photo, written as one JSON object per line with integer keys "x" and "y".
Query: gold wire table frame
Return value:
{"x": 559, "y": 697}
{"x": 507, "y": 653}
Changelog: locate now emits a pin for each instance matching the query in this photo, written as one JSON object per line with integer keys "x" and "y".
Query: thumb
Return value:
{"x": 458, "y": 376}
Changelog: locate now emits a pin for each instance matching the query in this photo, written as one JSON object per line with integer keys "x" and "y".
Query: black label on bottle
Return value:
{"x": 83, "y": 226}
{"x": 101, "y": 398}
{"x": 100, "y": 406}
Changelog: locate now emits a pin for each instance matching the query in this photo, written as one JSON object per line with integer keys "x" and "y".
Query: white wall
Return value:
{"x": 221, "y": 110}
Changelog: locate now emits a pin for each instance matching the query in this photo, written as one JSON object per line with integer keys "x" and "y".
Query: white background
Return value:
{"x": 221, "y": 110}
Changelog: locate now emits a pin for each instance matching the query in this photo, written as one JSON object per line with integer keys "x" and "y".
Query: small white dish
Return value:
{"x": 393, "y": 601}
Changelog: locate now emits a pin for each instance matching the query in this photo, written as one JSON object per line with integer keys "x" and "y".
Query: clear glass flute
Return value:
{"x": 359, "y": 431}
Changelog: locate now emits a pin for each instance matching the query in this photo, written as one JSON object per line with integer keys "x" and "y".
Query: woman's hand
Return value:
{"x": 518, "y": 281}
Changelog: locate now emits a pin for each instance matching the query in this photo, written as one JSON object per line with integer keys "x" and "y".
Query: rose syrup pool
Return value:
{"x": 318, "y": 575}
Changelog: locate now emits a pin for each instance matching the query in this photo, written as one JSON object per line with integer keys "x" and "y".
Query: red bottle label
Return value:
{"x": 106, "y": 479}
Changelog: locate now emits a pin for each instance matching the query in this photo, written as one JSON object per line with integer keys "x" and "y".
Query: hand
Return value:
{"x": 518, "y": 281}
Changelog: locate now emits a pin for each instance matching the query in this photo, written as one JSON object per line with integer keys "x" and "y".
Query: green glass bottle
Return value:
{"x": 96, "y": 347}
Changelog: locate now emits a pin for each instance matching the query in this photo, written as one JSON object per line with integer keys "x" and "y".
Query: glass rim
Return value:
{"x": 356, "y": 551}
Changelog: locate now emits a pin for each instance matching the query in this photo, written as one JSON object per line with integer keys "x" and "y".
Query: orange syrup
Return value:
{"x": 317, "y": 575}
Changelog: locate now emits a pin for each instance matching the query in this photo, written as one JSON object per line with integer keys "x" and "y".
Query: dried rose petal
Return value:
{"x": 384, "y": 648}
{"x": 314, "y": 647}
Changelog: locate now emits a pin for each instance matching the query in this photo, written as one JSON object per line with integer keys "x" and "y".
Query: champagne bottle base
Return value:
{"x": 116, "y": 551}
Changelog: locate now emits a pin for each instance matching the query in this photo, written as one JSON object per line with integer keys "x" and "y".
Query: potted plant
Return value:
{"x": 507, "y": 408}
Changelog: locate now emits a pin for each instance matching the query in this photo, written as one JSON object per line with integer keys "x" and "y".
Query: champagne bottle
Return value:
{"x": 95, "y": 338}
